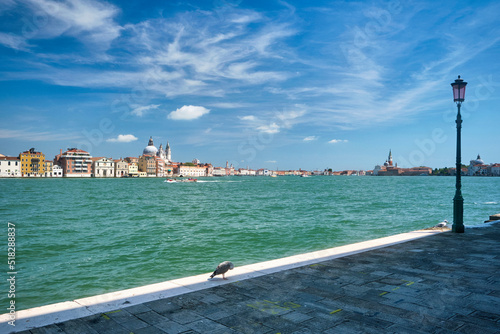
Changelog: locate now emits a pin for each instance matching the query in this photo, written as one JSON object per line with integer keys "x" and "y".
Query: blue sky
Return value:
{"x": 264, "y": 84}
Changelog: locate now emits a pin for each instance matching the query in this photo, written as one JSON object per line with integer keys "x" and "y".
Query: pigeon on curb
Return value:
{"x": 222, "y": 268}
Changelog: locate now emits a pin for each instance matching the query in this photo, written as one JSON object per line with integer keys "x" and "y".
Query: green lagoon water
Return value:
{"x": 82, "y": 237}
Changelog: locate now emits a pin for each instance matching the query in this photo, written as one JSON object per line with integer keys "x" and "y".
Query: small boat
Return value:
{"x": 273, "y": 175}
{"x": 188, "y": 180}
{"x": 304, "y": 175}
{"x": 182, "y": 180}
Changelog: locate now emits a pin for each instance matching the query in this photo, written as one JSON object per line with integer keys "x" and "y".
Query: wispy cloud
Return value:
{"x": 88, "y": 20}
{"x": 14, "y": 42}
{"x": 310, "y": 138}
{"x": 122, "y": 139}
{"x": 250, "y": 118}
{"x": 337, "y": 141}
{"x": 33, "y": 135}
{"x": 140, "y": 111}
{"x": 192, "y": 53}
{"x": 271, "y": 128}
{"x": 187, "y": 113}
{"x": 230, "y": 105}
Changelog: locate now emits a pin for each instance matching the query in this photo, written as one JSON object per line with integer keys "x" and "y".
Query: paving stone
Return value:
{"x": 185, "y": 316}
{"x": 149, "y": 330}
{"x": 136, "y": 309}
{"x": 163, "y": 306}
{"x": 134, "y": 324}
{"x": 171, "y": 327}
{"x": 219, "y": 314}
{"x": 50, "y": 329}
{"x": 104, "y": 324}
{"x": 151, "y": 317}
{"x": 296, "y": 317}
{"x": 245, "y": 325}
{"x": 480, "y": 319}
{"x": 206, "y": 325}
{"x": 76, "y": 326}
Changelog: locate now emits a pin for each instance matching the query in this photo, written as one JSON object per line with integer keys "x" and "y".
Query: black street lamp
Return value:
{"x": 458, "y": 200}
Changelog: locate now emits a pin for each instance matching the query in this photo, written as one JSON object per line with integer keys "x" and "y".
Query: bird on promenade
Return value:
{"x": 223, "y": 268}
{"x": 442, "y": 224}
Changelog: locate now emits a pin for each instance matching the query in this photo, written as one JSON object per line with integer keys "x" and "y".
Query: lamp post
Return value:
{"x": 458, "y": 200}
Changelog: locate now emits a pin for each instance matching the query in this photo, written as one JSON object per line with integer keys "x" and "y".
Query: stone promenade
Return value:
{"x": 443, "y": 283}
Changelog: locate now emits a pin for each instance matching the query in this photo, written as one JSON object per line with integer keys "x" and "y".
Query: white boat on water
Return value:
{"x": 304, "y": 175}
{"x": 183, "y": 180}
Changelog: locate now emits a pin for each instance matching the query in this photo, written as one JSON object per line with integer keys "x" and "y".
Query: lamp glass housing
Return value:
{"x": 459, "y": 90}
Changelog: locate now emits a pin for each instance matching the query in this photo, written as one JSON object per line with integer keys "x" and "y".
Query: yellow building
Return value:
{"x": 32, "y": 163}
{"x": 147, "y": 164}
{"x": 48, "y": 168}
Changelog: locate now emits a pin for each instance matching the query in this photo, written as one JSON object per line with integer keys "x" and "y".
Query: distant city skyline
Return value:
{"x": 276, "y": 85}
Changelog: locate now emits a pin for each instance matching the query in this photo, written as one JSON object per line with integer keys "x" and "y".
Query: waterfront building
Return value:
{"x": 191, "y": 170}
{"x": 57, "y": 171}
{"x": 121, "y": 168}
{"x": 494, "y": 170}
{"x": 169, "y": 169}
{"x": 147, "y": 164}
{"x": 74, "y": 162}
{"x": 243, "y": 172}
{"x": 132, "y": 160}
{"x": 133, "y": 169}
{"x": 209, "y": 169}
{"x": 219, "y": 171}
{"x": 32, "y": 163}
{"x": 10, "y": 166}
{"x": 49, "y": 168}
{"x": 477, "y": 167}
{"x": 263, "y": 172}
{"x": 388, "y": 169}
{"x": 160, "y": 166}
{"x": 103, "y": 167}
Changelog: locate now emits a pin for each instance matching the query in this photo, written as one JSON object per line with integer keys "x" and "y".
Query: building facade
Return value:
{"x": 147, "y": 164}
{"x": 74, "y": 163}
{"x": 10, "y": 167}
{"x": 192, "y": 171}
{"x": 103, "y": 167}
{"x": 32, "y": 163}
{"x": 121, "y": 168}
{"x": 49, "y": 165}
{"x": 57, "y": 171}
{"x": 133, "y": 169}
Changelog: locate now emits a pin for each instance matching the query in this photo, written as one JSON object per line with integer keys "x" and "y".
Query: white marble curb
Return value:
{"x": 55, "y": 313}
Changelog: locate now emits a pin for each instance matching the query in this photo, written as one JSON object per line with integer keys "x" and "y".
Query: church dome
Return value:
{"x": 478, "y": 161}
{"x": 150, "y": 149}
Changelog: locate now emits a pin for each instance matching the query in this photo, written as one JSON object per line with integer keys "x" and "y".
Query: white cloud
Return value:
{"x": 89, "y": 20}
{"x": 310, "y": 138}
{"x": 271, "y": 161}
{"x": 13, "y": 41}
{"x": 250, "y": 118}
{"x": 122, "y": 139}
{"x": 140, "y": 111}
{"x": 188, "y": 113}
{"x": 271, "y": 128}
{"x": 336, "y": 141}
